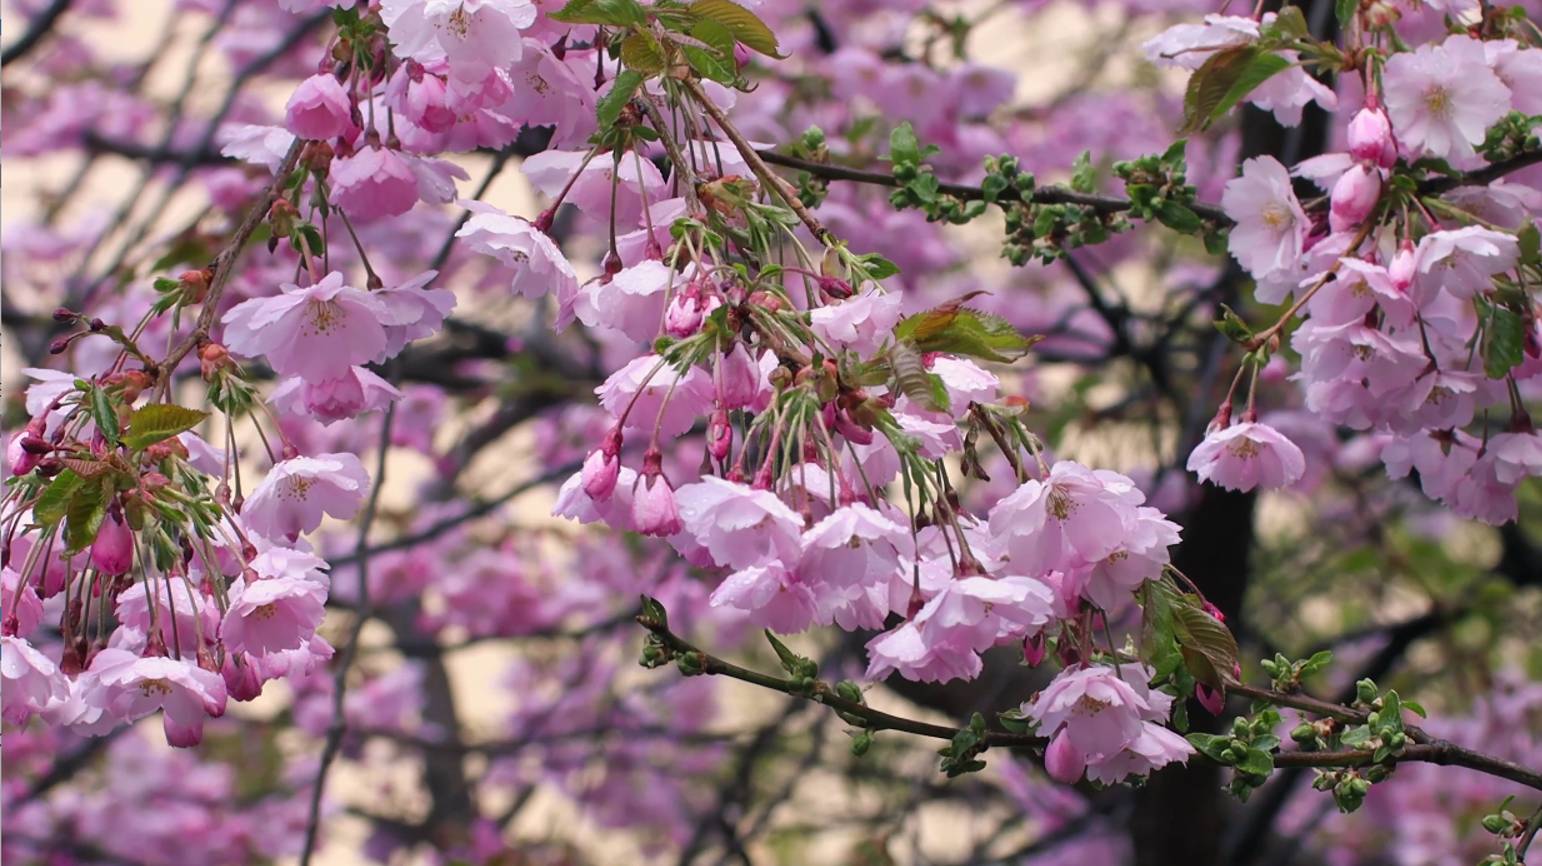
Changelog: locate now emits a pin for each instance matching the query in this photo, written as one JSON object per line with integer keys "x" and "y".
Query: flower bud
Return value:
{"x": 1062, "y": 760}
{"x": 113, "y": 550}
{"x": 720, "y": 435}
{"x": 1370, "y": 138}
{"x": 738, "y": 378}
{"x": 1404, "y": 265}
{"x": 653, "y": 503}
{"x": 599, "y": 475}
{"x": 1211, "y": 699}
{"x": 65, "y": 315}
{"x": 1354, "y": 197}
{"x": 1034, "y": 649}
{"x": 18, "y": 457}
{"x": 684, "y": 315}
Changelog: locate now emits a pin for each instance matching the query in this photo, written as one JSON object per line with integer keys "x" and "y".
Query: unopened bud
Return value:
{"x": 65, "y": 315}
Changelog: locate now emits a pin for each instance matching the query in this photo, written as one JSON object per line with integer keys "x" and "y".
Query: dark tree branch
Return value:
{"x": 37, "y": 28}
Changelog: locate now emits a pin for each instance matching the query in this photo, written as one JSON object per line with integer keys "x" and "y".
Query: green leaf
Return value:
{"x": 1233, "y": 326}
{"x": 914, "y": 380}
{"x": 1256, "y": 762}
{"x": 961, "y": 331}
{"x": 1530, "y": 240}
{"x": 1345, "y": 11}
{"x": 745, "y": 25}
{"x": 792, "y": 663}
{"x": 158, "y": 422}
{"x": 1178, "y": 217}
{"x": 1083, "y": 177}
{"x": 1225, "y": 78}
{"x": 87, "y": 507}
{"x": 653, "y": 610}
{"x": 617, "y": 13}
{"x": 608, "y": 109}
{"x": 1207, "y": 646}
{"x": 103, "y": 413}
{"x": 904, "y": 147}
{"x": 642, "y": 52}
{"x": 1504, "y": 341}
{"x": 53, "y": 502}
{"x": 716, "y": 62}
{"x": 878, "y": 267}
{"x": 1288, "y": 24}
{"x": 1211, "y": 746}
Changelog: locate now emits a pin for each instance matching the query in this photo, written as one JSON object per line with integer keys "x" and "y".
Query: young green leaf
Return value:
{"x": 608, "y": 109}
{"x": 158, "y": 422}
{"x": 745, "y": 25}
{"x": 1223, "y": 80}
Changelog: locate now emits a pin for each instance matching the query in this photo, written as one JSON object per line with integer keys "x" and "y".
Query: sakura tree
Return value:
{"x": 1004, "y": 432}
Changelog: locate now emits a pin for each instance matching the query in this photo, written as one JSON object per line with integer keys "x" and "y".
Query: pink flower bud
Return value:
{"x": 319, "y": 109}
{"x": 738, "y": 378}
{"x": 242, "y": 680}
{"x": 113, "y": 550}
{"x": 1354, "y": 197}
{"x": 1370, "y": 138}
{"x": 1062, "y": 761}
{"x": 1212, "y": 700}
{"x": 684, "y": 315}
{"x": 1404, "y": 264}
{"x": 600, "y": 473}
{"x": 720, "y": 435}
{"x": 653, "y": 508}
{"x": 1035, "y": 647}
{"x": 18, "y": 457}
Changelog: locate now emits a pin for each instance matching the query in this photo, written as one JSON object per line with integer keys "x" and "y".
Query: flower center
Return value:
{"x": 323, "y": 317}
{"x": 1437, "y": 100}
{"x": 296, "y": 488}
{"x": 1244, "y": 448}
{"x": 1061, "y": 504}
{"x": 267, "y": 611}
{"x": 1277, "y": 216}
{"x": 152, "y": 688}
{"x": 460, "y": 22}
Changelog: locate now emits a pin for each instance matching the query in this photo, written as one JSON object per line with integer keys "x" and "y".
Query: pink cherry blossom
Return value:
{"x": 1074, "y": 517}
{"x": 316, "y": 332}
{"x": 374, "y": 182}
{"x": 1247, "y": 455}
{"x": 273, "y": 614}
{"x": 1516, "y": 455}
{"x": 474, "y": 36}
{"x": 113, "y": 549}
{"x": 1464, "y": 261}
{"x": 772, "y": 596}
{"x": 1271, "y": 226}
{"x": 319, "y": 109}
{"x": 538, "y": 264}
{"x": 1370, "y": 137}
{"x": 654, "y": 511}
{"x": 126, "y": 686}
{"x": 859, "y": 323}
{"x": 1443, "y": 98}
{"x": 739, "y": 525}
{"x": 298, "y": 491}
{"x": 331, "y": 400}
{"x": 22, "y": 608}
{"x": 32, "y": 681}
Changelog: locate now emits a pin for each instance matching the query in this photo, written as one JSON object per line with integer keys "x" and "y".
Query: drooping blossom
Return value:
{"x": 128, "y": 686}
{"x": 272, "y": 614}
{"x": 32, "y": 681}
{"x": 1246, "y": 455}
{"x": 319, "y": 109}
{"x": 537, "y": 262}
{"x": 316, "y": 332}
{"x": 739, "y": 525}
{"x": 473, "y": 36}
{"x": 331, "y": 400}
{"x": 374, "y": 182}
{"x": 297, "y": 492}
